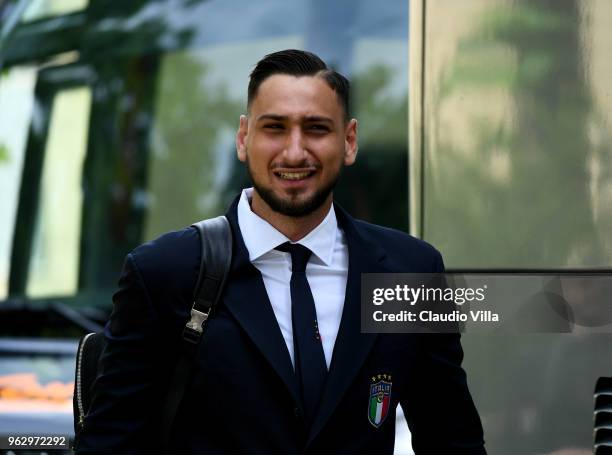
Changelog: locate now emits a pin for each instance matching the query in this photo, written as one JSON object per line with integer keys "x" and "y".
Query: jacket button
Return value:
{"x": 296, "y": 412}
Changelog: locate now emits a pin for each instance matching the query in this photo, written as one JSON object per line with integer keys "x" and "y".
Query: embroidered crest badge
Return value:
{"x": 380, "y": 399}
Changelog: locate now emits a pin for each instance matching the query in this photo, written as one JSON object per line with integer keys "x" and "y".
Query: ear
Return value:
{"x": 241, "y": 135}
{"x": 350, "y": 142}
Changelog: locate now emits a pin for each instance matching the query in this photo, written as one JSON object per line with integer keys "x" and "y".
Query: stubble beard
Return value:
{"x": 290, "y": 206}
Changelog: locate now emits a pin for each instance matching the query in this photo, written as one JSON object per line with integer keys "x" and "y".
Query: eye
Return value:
{"x": 273, "y": 126}
{"x": 318, "y": 128}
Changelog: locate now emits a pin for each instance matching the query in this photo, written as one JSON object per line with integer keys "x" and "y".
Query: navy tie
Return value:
{"x": 310, "y": 366}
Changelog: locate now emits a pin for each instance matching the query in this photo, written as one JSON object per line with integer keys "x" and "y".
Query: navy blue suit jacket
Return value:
{"x": 244, "y": 397}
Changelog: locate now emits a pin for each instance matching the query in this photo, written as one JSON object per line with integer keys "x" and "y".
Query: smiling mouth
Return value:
{"x": 294, "y": 175}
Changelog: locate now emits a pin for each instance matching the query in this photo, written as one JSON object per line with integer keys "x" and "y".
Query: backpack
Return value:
{"x": 216, "y": 240}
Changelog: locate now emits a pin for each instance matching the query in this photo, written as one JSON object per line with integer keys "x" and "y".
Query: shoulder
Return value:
{"x": 171, "y": 260}
{"x": 401, "y": 247}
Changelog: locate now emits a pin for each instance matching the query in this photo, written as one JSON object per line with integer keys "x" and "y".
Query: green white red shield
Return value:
{"x": 380, "y": 401}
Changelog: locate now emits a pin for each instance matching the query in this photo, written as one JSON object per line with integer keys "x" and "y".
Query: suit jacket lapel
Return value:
{"x": 352, "y": 346}
{"x": 247, "y": 300}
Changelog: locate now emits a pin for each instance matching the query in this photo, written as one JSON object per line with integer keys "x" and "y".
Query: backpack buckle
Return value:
{"x": 193, "y": 329}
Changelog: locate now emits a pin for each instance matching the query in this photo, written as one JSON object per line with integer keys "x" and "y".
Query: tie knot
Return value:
{"x": 299, "y": 255}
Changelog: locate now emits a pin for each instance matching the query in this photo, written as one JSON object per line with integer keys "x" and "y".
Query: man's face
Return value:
{"x": 295, "y": 142}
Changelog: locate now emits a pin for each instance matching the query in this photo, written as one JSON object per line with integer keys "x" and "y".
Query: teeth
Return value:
{"x": 293, "y": 175}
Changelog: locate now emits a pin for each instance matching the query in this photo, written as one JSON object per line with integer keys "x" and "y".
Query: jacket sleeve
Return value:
{"x": 127, "y": 394}
{"x": 440, "y": 411}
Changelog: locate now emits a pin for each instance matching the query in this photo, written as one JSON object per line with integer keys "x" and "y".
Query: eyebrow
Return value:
{"x": 281, "y": 118}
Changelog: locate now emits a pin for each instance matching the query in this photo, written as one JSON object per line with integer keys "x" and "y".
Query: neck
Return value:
{"x": 294, "y": 228}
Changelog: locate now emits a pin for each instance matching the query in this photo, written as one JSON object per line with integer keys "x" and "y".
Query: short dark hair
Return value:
{"x": 298, "y": 63}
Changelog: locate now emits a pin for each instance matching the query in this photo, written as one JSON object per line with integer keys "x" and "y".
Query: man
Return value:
{"x": 283, "y": 367}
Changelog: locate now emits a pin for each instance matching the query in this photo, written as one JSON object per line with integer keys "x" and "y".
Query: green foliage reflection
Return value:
{"x": 519, "y": 192}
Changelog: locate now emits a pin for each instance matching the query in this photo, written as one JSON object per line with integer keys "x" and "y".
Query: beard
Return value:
{"x": 292, "y": 206}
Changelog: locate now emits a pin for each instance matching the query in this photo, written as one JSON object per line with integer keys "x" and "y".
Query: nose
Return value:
{"x": 295, "y": 148}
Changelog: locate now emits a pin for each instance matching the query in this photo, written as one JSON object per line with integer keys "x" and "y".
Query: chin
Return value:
{"x": 295, "y": 206}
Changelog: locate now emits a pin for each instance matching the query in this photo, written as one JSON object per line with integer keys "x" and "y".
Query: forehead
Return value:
{"x": 287, "y": 95}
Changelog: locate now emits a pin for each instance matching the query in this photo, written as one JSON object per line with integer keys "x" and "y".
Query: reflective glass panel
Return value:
{"x": 54, "y": 264}
{"x": 16, "y": 103}
{"x": 518, "y": 174}
{"x": 518, "y": 157}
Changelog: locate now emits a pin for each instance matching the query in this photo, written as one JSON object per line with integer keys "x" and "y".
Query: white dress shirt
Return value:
{"x": 326, "y": 270}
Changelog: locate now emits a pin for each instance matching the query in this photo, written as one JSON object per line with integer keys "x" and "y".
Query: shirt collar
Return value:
{"x": 260, "y": 237}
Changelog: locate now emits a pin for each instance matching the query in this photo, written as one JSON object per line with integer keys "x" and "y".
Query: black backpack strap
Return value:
{"x": 216, "y": 237}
